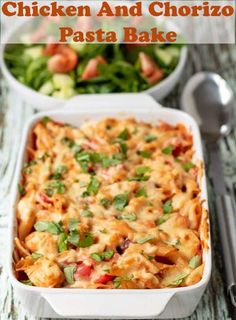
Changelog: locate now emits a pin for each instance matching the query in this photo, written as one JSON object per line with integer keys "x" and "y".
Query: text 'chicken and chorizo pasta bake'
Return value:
{"x": 113, "y": 204}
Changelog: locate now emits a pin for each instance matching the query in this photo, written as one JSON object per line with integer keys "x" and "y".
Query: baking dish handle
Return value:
{"x": 139, "y": 101}
{"x": 117, "y": 304}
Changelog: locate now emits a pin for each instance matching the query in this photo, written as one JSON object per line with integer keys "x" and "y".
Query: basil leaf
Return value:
{"x": 167, "y": 207}
{"x": 102, "y": 256}
{"x": 93, "y": 186}
{"x": 87, "y": 214}
{"x": 36, "y": 255}
{"x": 128, "y": 217}
{"x": 145, "y": 154}
{"x": 141, "y": 193}
{"x": 73, "y": 238}
{"x": 163, "y": 219}
{"x": 150, "y": 138}
{"x": 124, "y": 135}
{"x": 187, "y": 166}
{"x": 123, "y": 148}
{"x": 120, "y": 201}
{"x": 194, "y": 262}
{"x": 21, "y": 189}
{"x": 142, "y": 170}
{"x": 69, "y": 274}
{"x": 62, "y": 242}
{"x": 168, "y": 150}
{"x": 145, "y": 239}
{"x": 96, "y": 256}
{"x": 108, "y": 254}
{"x": 105, "y": 202}
{"x": 86, "y": 242}
{"x": 51, "y": 227}
{"x": 73, "y": 224}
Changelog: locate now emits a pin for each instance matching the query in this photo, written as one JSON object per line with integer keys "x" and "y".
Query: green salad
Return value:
{"x": 62, "y": 71}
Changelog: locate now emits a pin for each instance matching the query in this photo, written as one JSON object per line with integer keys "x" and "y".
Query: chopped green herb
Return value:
{"x": 69, "y": 274}
{"x": 121, "y": 201}
{"x": 139, "y": 178}
{"x": 187, "y": 166}
{"x": 145, "y": 239}
{"x": 142, "y": 170}
{"x": 124, "y": 135}
{"x": 57, "y": 175}
{"x": 96, "y": 256}
{"x": 123, "y": 148}
{"x": 194, "y": 262}
{"x": 106, "y": 255}
{"x": 87, "y": 214}
{"x": 104, "y": 231}
{"x": 68, "y": 142}
{"x": 163, "y": 219}
{"x": 118, "y": 280}
{"x": 44, "y": 156}
{"x": 62, "y": 242}
{"x": 173, "y": 243}
{"x": 74, "y": 238}
{"x": 93, "y": 186}
{"x": 21, "y": 189}
{"x": 45, "y": 120}
{"x": 56, "y": 186}
{"x": 27, "y": 282}
{"x": 179, "y": 279}
{"x": 128, "y": 217}
{"x": 167, "y": 207}
{"x": 168, "y": 150}
{"x": 86, "y": 242}
{"x": 51, "y": 227}
{"x": 49, "y": 192}
{"x": 145, "y": 154}
{"x": 106, "y": 202}
{"x": 73, "y": 224}
{"x": 36, "y": 255}
{"x": 150, "y": 138}
{"x": 141, "y": 193}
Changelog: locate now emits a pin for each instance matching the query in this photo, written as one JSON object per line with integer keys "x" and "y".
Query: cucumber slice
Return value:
{"x": 34, "y": 52}
{"x": 62, "y": 81}
{"x": 163, "y": 56}
{"x": 46, "y": 88}
{"x": 174, "y": 51}
{"x": 64, "y": 93}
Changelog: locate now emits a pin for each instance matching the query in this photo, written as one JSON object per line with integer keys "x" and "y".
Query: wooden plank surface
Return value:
{"x": 14, "y": 113}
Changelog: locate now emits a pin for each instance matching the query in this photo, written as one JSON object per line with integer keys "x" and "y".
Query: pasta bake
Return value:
{"x": 112, "y": 204}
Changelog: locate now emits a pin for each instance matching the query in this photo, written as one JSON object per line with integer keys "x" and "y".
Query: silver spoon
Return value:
{"x": 209, "y": 99}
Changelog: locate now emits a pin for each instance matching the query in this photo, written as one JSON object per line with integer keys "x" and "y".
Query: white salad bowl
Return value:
{"x": 115, "y": 303}
{"x": 44, "y": 102}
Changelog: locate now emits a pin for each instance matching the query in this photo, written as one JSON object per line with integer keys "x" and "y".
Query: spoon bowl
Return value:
{"x": 210, "y": 100}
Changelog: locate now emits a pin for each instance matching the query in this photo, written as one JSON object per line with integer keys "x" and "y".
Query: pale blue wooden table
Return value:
{"x": 13, "y": 114}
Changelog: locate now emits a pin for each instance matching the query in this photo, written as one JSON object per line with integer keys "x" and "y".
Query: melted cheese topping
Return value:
{"x": 113, "y": 204}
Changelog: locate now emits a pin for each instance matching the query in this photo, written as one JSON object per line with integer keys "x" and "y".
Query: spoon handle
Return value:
{"x": 225, "y": 218}
{"x": 227, "y": 231}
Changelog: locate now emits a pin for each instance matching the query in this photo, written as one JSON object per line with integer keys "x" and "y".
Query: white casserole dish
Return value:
{"x": 95, "y": 303}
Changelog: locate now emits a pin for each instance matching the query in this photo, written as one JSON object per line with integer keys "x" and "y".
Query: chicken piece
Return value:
{"x": 43, "y": 243}
{"x": 26, "y": 214}
{"x": 45, "y": 273}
